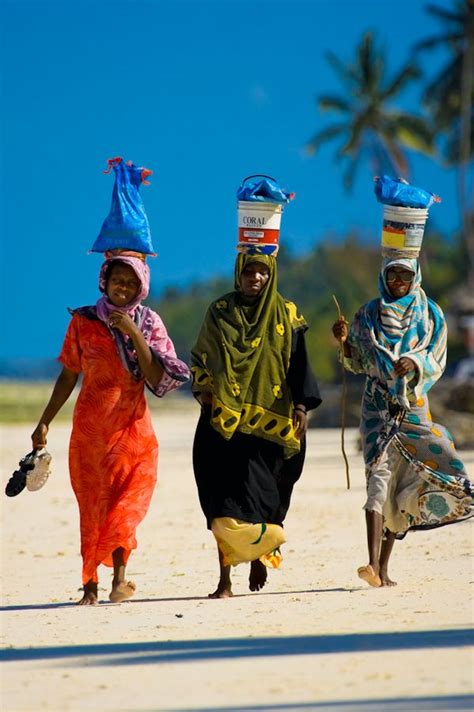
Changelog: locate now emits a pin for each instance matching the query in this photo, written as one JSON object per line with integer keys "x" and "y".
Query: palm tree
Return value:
{"x": 369, "y": 126}
{"x": 449, "y": 99}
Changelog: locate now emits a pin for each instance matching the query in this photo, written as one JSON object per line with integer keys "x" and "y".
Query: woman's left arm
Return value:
{"x": 150, "y": 367}
{"x": 302, "y": 383}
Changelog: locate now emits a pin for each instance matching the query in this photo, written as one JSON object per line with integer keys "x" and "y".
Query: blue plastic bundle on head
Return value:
{"x": 264, "y": 190}
{"x": 392, "y": 191}
{"x": 126, "y": 226}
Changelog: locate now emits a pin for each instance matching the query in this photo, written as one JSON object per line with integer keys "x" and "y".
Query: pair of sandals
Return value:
{"x": 33, "y": 473}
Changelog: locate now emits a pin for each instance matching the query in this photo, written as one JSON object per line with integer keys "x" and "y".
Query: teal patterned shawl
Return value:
{"x": 388, "y": 328}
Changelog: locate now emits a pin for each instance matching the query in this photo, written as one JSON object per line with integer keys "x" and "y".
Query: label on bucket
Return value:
{"x": 414, "y": 236}
{"x": 402, "y": 235}
{"x": 268, "y": 220}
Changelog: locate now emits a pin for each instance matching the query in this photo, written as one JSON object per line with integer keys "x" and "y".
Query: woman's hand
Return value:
{"x": 38, "y": 437}
{"x": 63, "y": 388}
{"x": 300, "y": 421}
{"x": 340, "y": 329}
{"x": 149, "y": 365}
{"x": 404, "y": 366}
{"x": 123, "y": 322}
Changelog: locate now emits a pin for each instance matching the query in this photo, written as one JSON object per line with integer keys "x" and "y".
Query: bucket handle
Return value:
{"x": 258, "y": 175}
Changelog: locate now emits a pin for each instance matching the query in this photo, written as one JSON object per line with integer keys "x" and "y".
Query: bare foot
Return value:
{"x": 368, "y": 574}
{"x": 386, "y": 581}
{"x": 121, "y": 591}
{"x": 258, "y": 575}
{"x": 223, "y": 590}
{"x": 90, "y": 595}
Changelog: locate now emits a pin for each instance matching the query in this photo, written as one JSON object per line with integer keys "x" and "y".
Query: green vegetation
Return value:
{"x": 23, "y": 402}
{"x": 348, "y": 268}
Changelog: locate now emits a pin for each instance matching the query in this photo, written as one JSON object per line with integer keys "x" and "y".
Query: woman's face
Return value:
{"x": 399, "y": 280}
{"x": 253, "y": 278}
{"x": 122, "y": 285}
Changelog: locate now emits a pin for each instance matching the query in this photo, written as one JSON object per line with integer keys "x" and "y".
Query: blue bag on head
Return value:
{"x": 264, "y": 190}
{"x": 391, "y": 191}
{"x": 126, "y": 226}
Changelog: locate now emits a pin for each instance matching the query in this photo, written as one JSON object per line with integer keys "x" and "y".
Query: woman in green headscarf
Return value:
{"x": 253, "y": 380}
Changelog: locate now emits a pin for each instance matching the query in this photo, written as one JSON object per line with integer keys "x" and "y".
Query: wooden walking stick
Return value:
{"x": 343, "y": 401}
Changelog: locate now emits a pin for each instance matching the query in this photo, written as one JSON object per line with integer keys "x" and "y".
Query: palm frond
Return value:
{"x": 347, "y": 74}
{"x": 443, "y": 14}
{"x": 449, "y": 77}
{"x": 328, "y": 102}
{"x": 355, "y": 137}
{"x": 322, "y": 136}
{"x": 406, "y": 75}
{"x": 371, "y": 63}
{"x": 439, "y": 41}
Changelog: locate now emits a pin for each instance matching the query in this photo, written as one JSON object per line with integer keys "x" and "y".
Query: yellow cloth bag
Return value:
{"x": 241, "y": 541}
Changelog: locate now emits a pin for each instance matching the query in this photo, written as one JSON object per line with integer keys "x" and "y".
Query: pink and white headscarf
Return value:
{"x": 142, "y": 271}
{"x": 175, "y": 371}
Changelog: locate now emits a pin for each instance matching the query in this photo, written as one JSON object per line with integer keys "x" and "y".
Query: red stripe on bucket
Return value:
{"x": 258, "y": 237}
{"x": 390, "y": 228}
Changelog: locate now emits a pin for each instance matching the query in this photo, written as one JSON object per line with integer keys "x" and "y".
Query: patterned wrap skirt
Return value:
{"x": 414, "y": 475}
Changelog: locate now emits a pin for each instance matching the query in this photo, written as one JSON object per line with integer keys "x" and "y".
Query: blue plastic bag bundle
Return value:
{"x": 263, "y": 190}
{"x": 126, "y": 226}
{"x": 396, "y": 191}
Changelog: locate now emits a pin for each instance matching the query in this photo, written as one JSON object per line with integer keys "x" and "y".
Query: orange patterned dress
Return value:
{"x": 113, "y": 453}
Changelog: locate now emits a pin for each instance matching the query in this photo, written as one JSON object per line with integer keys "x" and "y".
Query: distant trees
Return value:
{"x": 348, "y": 268}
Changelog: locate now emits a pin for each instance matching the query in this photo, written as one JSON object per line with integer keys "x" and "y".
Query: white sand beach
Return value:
{"x": 316, "y": 637}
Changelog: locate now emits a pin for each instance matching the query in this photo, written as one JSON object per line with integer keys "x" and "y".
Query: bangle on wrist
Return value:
{"x": 301, "y": 408}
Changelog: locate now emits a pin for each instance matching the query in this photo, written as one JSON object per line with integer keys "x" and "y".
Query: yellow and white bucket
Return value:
{"x": 403, "y": 230}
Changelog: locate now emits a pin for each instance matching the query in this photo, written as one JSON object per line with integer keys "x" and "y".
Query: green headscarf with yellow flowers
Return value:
{"x": 242, "y": 356}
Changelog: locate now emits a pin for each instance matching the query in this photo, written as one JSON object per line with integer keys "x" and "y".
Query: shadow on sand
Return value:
{"x": 399, "y": 704}
{"x": 156, "y": 652}
{"x": 171, "y": 599}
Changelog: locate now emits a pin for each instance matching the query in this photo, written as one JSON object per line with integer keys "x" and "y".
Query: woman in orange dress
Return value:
{"x": 119, "y": 346}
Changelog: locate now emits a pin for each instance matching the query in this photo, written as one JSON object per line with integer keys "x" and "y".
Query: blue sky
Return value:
{"x": 202, "y": 93}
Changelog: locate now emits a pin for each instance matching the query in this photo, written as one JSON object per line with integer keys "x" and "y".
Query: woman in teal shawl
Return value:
{"x": 415, "y": 480}
{"x": 253, "y": 380}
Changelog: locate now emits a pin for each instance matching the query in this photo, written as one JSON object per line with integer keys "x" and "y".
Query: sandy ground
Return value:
{"x": 315, "y": 638}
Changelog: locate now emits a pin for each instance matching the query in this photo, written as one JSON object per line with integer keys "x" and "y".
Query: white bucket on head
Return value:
{"x": 403, "y": 230}
{"x": 259, "y": 225}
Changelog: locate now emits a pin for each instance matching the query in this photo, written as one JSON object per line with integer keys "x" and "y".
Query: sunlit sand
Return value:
{"x": 316, "y": 633}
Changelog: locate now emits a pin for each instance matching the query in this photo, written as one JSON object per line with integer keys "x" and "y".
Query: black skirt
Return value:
{"x": 245, "y": 477}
